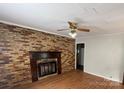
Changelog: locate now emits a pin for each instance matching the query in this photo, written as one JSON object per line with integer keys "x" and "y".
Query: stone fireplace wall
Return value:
{"x": 15, "y": 44}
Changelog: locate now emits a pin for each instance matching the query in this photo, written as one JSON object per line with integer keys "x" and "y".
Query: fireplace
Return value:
{"x": 44, "y": 63}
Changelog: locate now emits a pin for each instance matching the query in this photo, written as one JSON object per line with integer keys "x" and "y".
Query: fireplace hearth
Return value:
{"x": 44, "y": 63}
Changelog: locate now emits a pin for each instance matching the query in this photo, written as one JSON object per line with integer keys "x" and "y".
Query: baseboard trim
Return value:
{"x": 103, "y": 77}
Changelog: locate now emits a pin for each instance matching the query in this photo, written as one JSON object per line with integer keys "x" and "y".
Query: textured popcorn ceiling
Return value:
{"x": 99, "y": 18}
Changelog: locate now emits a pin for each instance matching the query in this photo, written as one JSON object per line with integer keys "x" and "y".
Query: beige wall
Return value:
{"x": 104, "y": 55}
{"x": 15, "y": 44}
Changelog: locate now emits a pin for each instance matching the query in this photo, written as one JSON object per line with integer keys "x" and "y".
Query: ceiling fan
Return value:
{"x": 73, "y": 28}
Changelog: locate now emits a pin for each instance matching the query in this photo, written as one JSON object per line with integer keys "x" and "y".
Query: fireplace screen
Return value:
{"x": 46, "y": 68}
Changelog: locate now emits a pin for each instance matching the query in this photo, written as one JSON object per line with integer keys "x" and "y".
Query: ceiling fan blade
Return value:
{"x": 82, "y": 29}
{"x": 62, "y": 29}
{"x": 72, "y": 25}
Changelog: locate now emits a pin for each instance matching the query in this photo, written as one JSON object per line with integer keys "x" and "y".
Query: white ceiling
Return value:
{"x": 99, "y": 18}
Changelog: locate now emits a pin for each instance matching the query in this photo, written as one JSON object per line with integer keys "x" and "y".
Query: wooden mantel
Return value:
{"x": 37, "y": 55}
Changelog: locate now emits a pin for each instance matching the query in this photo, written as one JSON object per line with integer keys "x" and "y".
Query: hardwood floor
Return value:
{"x": 74, "y": 79}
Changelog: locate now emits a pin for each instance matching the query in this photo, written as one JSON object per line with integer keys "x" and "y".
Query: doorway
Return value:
{"x": 80, "y": 56}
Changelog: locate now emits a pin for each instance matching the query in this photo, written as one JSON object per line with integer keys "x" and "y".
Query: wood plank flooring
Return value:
{"x": 74, "y": 79}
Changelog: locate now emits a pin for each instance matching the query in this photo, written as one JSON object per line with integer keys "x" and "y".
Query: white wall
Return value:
{"x": 104, "y": 55}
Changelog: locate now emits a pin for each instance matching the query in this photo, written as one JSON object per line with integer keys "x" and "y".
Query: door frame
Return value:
{"x": 83, "y": 46}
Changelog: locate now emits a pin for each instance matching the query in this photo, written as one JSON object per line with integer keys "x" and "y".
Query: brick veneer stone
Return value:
{"x": 15, "y": 44}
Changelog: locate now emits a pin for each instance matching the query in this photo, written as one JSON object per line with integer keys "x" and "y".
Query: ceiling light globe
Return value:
{"x": 73, "y": 35}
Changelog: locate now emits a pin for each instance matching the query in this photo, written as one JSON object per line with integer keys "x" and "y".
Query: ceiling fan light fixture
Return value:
{"x": 73, "y": 33}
